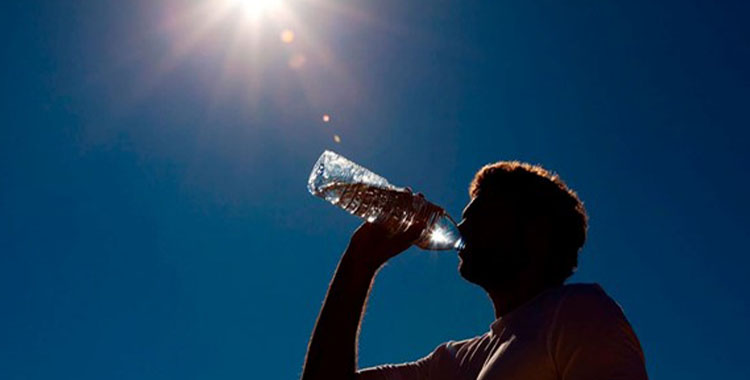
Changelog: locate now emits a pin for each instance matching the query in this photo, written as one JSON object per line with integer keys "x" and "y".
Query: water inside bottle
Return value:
{"x": 396, "y": 209}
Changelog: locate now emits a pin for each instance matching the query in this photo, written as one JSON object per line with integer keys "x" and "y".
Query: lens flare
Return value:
{"x": 287, "y": 36}
{"x": 297, "y": 61}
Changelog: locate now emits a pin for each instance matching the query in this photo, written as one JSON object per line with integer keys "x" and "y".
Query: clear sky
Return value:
{"x": 154, "y": 220}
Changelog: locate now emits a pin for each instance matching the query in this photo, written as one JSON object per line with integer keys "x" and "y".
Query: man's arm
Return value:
{"x": 332, "y": 352}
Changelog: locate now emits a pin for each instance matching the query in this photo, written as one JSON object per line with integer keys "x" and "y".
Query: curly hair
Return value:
{"x": 536, "y": 192}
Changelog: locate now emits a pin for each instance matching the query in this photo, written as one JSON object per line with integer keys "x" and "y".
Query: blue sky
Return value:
{"x": 154, "y": 220}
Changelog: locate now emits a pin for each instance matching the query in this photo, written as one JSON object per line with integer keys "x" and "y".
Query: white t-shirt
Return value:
{"x": 572, "y": 332}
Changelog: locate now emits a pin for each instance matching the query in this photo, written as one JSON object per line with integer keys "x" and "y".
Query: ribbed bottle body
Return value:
{"x": 369, "y": 196}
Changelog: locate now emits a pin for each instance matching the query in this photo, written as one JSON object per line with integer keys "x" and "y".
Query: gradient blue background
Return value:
{"x": 154, "y": 224}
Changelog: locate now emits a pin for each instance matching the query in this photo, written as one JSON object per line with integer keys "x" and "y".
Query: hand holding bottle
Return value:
{"x": 372, "y": 245}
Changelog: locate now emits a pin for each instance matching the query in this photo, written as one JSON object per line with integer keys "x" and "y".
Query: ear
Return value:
{"x": 536, "y": 238}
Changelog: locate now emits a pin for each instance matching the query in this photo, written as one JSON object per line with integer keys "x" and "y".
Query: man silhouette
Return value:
{"x": 523, "y": 229}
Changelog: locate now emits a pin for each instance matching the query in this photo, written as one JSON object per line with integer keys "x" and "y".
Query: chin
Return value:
{"x": 476, "y": 275}
{"x": 465, "y": 271}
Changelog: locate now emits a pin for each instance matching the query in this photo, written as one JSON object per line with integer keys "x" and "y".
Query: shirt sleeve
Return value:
{"x": 421, "y": 369}
{"x": 590, "y": 338}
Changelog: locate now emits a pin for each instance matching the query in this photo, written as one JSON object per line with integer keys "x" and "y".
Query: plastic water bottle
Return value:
{"x": 371, "y": 197}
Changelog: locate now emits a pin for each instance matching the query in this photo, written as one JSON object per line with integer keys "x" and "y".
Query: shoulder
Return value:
{"x": 581, "y": 289}
{"x": 591, "y": 338}
{"x": 587, "y": 301}
{"x": 586, "y": 313}
{"x": 586, "y": 310}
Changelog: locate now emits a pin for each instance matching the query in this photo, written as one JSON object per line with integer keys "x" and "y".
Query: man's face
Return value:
{"x": 492, "y": 235}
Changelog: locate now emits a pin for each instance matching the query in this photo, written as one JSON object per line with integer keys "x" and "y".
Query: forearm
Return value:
{"x": 332, "y": 353}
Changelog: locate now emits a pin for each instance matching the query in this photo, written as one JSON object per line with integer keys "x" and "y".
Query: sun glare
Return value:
{"x": 257, "y": 45}
{"x": 439, "y": 236}
{"x": 256, "y": 8}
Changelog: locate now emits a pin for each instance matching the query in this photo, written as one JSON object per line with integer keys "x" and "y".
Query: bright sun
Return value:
{"x": 257, "y": 8}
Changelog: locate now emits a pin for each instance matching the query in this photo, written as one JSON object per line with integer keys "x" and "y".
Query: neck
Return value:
{"x": 509, "y": 297}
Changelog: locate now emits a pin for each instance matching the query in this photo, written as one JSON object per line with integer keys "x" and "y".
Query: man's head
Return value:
{"x": 521, "y": 218}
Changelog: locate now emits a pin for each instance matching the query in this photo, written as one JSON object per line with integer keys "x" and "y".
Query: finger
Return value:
{"x": 405, "y": 239}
